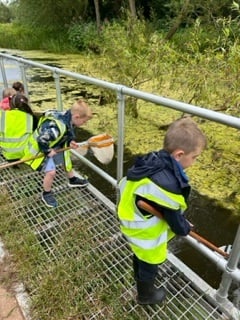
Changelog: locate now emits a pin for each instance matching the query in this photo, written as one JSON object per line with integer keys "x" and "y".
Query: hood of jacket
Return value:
{"x": 160, "y": 167}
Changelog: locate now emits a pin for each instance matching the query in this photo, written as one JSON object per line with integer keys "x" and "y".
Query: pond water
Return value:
{"x": 213, "y": 222}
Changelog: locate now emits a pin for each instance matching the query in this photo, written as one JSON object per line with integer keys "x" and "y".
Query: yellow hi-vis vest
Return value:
{"x": 15, "y": 129}
{"x": 146, "y": 235}
{"x": 32, "y": 148}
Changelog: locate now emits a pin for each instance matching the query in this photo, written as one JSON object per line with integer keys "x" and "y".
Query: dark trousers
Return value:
{"x": 144, "y": 271}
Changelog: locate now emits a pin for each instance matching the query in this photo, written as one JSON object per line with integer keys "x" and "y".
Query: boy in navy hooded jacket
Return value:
{"x": 158, "y": 179}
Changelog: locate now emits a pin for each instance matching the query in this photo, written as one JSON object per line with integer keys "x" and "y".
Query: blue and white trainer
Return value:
{"x": 77, "y": 182}
{"x": 49, "y": 200}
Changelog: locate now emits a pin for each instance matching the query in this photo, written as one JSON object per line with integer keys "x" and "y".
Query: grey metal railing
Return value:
{"x": 230, "y": 266}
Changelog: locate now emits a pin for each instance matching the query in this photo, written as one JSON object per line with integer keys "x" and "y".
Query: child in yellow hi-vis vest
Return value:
{"x": 158, "y": 178}
{"x": 16, "y": 125}
{"x": 55, "y": 131}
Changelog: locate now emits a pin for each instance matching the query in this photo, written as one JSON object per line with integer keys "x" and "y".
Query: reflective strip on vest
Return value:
{"x": 122, "y": 184}
{"x": 33, "y": 149}
{"x": 20, "y": 139}
{"x": 67, "y": 160}
{"x": 138, "y": 223}
{"x": 2, "y": 121}
{"x": 148, "y": 244}
{"x": 151, "y": 191}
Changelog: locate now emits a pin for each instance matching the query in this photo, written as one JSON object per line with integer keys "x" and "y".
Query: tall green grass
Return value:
{"x": 14, "y": 36}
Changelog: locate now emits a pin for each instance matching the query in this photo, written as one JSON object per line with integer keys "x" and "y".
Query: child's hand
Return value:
{"x": 191, "y": 225}
{"x": 52, "y": 153}
{"x": 73, "y": 144}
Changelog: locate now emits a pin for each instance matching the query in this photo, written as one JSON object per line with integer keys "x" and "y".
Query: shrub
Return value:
{"x": 84, "y": 36}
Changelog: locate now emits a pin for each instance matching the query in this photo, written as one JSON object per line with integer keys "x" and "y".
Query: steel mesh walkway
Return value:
{"x": 85, "y": 224}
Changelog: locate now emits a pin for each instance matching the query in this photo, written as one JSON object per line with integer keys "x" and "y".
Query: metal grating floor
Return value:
{"x": 95, "y": 213}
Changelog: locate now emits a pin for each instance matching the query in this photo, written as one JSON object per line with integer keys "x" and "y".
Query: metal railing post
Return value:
{"x": 4, "y": 77}
{"x": 58, "y": 90}
{"x": 120, "y": 144}
{"x": 24, "y": 78}
{"x": 222, "y": 292}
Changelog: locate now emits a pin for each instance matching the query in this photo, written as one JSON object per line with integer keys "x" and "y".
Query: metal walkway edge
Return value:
{"x": 188, "y": 296}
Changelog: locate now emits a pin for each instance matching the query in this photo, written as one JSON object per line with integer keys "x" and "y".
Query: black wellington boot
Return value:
{"x": 135, "y": 269}
{"x": 148, "y": 294}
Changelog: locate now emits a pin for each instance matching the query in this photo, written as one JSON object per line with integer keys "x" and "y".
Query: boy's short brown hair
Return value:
{"x": 82, "y": 108}
{"x": 184, "y": 134}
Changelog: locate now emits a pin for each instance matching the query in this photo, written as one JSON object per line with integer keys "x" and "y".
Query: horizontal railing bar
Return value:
{"x": 174, "y": 104}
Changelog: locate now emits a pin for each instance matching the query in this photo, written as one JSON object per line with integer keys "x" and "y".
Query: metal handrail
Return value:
{"x": 229, "y": 268}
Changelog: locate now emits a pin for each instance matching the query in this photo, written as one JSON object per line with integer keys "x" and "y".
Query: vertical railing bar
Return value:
{"x": 58, "y": 90}
{"x": 222, "y": 292}
{"x": 23, "y": 67}
{"x": 4, "y": 77}
{"x": 120, "y": 143}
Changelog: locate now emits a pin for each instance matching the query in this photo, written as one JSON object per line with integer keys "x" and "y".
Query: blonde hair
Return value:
{"x": 8, "y": 92}
{"x": 184, "y": 134}
{"x": 81, "y": 108}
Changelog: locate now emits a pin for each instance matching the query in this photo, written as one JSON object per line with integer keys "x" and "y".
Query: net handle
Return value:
{"x": 99, "y": 141}
{"x": 147, "y": 207}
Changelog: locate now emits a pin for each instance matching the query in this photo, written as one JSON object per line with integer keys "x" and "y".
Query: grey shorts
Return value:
{"x": 51, "y": 163}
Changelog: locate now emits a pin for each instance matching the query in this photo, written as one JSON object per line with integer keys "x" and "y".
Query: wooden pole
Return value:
{"x": 147, "y": 207}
